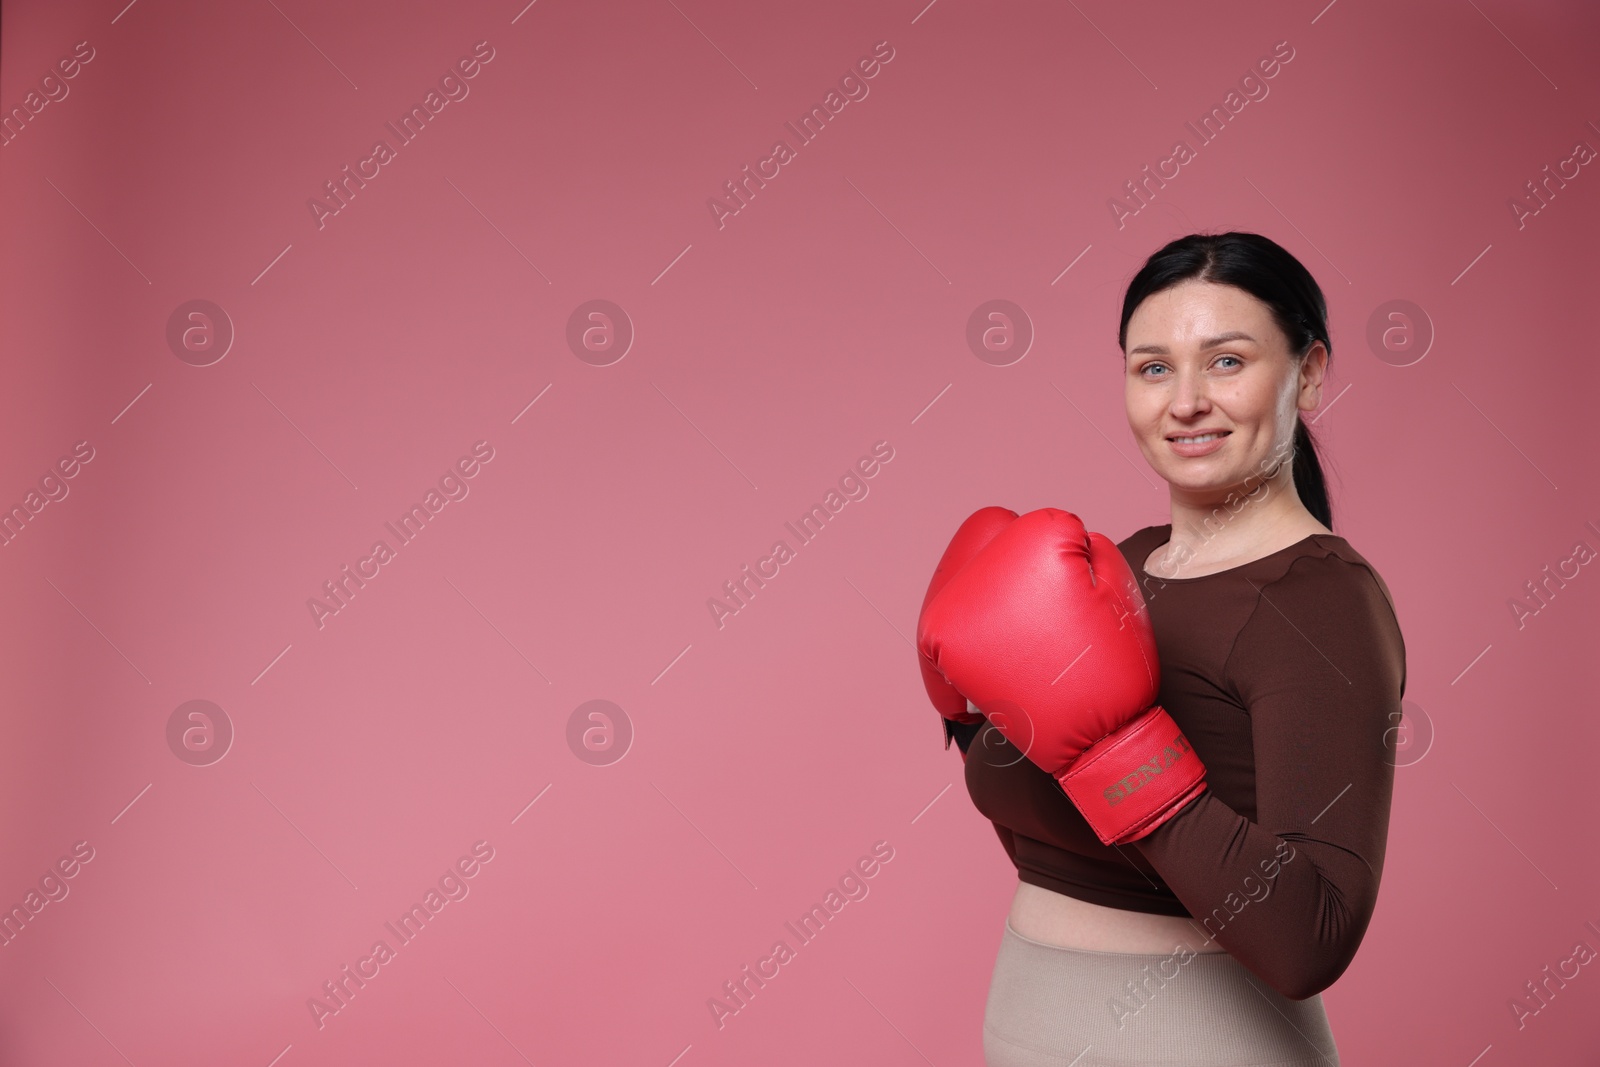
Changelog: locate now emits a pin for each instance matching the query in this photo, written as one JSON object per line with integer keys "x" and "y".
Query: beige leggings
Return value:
{"x": 1055, "y": 1007}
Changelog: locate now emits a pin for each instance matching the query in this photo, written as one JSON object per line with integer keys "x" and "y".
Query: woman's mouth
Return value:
{"x": 1193, "y": 445}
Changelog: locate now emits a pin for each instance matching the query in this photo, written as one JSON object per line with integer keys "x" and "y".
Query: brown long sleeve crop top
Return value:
{"x": 1286, "y": 675}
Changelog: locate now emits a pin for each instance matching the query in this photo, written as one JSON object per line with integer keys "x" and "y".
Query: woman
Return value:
{"x": 1208, "y": 941}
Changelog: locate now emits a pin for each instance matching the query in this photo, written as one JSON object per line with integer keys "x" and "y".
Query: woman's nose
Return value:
{"x": 1189, "y": 395}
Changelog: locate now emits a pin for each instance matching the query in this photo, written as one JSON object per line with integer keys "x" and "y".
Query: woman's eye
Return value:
{"x": 1234, "y": 358}
{"x": 1151, "y": 367}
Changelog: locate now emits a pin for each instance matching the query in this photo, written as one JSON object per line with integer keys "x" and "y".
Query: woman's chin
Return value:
{"x": 1195, "y": 481}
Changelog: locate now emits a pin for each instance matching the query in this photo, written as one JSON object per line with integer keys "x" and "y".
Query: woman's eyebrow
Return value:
{"x": 1209, "y": 342}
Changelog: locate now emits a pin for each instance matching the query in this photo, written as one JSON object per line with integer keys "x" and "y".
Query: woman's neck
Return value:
{"x": 1249, "y": 522}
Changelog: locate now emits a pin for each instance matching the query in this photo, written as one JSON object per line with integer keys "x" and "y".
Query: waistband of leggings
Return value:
{"x": 1131, "y": 957}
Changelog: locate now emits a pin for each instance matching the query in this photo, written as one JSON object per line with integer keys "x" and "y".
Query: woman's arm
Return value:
{"x": 963, "y": 733}
{"x": 1320, "y": 667}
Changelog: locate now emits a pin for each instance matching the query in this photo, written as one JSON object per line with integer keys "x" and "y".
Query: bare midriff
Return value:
{"x": 1052, "y": 918}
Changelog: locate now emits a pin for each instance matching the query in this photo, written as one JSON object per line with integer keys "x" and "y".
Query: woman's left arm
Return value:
{"x": 1320, "y": 667}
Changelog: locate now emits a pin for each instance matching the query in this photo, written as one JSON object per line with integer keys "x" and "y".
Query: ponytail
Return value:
{"x": 1308, "y": 479}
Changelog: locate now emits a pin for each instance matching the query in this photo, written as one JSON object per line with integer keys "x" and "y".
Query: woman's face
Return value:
{"x": 1208, "y": 357}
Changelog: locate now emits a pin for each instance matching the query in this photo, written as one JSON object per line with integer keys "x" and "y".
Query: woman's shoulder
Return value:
{"x": 1147, "y": 538}
{"x": 1323, "y": 604}
{"x": 1330, "y": 546}
{"x": 1327, "y": 571}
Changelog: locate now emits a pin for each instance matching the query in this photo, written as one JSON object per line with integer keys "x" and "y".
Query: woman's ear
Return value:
{"x": 1313, "y": 368}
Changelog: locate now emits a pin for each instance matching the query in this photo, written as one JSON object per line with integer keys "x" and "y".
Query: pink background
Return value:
{"x": 769, "y": 754}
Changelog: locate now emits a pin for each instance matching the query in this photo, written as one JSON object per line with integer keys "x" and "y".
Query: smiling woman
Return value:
{"x": 1220, "y": 375}
{"x": 1281, "y": 663}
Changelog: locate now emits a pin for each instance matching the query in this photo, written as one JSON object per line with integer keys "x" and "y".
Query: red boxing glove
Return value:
{"x": 1039, "y": 597}
{"x": 979, "y": 529}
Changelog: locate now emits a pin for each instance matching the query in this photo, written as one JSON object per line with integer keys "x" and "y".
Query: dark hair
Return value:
{"x": 1266, "y": 271}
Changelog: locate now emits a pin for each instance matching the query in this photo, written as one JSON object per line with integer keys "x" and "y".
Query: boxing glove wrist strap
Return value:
{"x": 1132, "y": 780}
